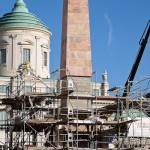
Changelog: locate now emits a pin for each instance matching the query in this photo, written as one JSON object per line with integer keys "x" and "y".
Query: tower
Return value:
{"x": 76, "y": 60}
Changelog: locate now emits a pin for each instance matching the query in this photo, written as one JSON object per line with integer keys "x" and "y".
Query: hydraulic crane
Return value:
{"x": 143, "y": 41}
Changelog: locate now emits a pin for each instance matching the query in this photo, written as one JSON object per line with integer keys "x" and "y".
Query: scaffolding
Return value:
{"x": 36, "y": 119}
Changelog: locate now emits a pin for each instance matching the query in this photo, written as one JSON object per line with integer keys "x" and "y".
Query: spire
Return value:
{"x": 20, "y": 6}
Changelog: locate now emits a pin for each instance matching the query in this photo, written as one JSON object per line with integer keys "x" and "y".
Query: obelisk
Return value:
{"x": 76, "y": 62}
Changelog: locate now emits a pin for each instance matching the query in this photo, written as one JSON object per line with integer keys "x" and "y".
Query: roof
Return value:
{"x": 21, "y": 17}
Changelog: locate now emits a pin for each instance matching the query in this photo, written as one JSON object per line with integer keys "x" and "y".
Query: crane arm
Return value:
{"x": 143, "y": 42}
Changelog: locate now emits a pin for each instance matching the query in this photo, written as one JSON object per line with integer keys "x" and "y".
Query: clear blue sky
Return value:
{"x": 116, "y": 28}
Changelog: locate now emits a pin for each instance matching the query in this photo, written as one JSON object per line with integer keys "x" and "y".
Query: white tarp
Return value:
{"x": 140, "y": 128}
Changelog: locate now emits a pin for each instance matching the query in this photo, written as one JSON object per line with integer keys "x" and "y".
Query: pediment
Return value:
{"x": 3, "y": 42}
{"x": 26, "y": 42}
{"x": 45, "y": 45}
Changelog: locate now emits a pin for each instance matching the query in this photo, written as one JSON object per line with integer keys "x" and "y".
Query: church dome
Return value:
{"x": 21, "y": 17}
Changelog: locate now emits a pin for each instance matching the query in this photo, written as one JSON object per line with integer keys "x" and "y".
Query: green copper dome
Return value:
{"x": 21, "y": 17}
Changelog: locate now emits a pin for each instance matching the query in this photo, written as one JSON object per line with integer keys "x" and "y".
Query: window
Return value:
{"x": 3, "y": 119}
{"x": 26, "y": 55}
{"x": 28, "y": 89}
{"x": 3, "y": 88}
{"x": 45, "y": 58}
{"x": 50, "y": 90}
{"x": 95, "y": 92}
{"x": 3, "y": 56}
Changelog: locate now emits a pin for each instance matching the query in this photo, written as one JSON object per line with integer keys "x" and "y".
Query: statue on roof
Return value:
{"x": 104, "y": 76}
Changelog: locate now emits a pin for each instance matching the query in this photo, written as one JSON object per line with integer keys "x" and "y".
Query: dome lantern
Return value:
{"x": 20, "y": 6}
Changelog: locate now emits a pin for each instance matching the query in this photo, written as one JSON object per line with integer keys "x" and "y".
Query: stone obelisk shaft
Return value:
{"x": 76, "y": 63}
{"x": 76, "y": 47}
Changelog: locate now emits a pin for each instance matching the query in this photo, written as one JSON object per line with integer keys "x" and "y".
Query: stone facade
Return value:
{"x": 15, "y": 40}
{"x": 76, "y": 63}
{"x": 24, "y": 38}
{"x": 76, "y": 47}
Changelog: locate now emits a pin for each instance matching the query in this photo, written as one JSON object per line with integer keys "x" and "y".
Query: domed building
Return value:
{"x": 24, "y": 42}
{"x": 23, "y": 38}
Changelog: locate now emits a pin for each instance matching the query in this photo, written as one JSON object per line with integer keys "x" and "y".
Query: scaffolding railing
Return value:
{"x": 68, "y": 119}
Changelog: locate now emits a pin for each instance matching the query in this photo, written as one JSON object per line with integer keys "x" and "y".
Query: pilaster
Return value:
{"x": 14, "y": 51}
{"x": 37, "y": 53}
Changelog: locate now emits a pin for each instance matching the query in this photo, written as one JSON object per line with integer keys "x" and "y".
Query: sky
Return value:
{"x": 116, "y": 27}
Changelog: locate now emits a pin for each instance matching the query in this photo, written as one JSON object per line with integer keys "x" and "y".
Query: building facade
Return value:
{"x": 25, "y": 57}
{"x": 24, "y": 38}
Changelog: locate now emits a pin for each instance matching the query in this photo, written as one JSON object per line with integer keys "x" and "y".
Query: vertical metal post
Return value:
{"x": 11, "y": 86}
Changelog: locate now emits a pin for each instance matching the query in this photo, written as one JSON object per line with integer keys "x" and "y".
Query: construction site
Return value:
{"x": 37, "y": 120}
{"x": 69, "y": 114}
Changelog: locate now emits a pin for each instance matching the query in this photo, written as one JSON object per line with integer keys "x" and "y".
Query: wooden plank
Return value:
{"x": 48, "y": 120}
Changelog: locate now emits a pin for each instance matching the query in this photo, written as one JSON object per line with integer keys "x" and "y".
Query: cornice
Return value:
{"x": 4, "y": 29}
